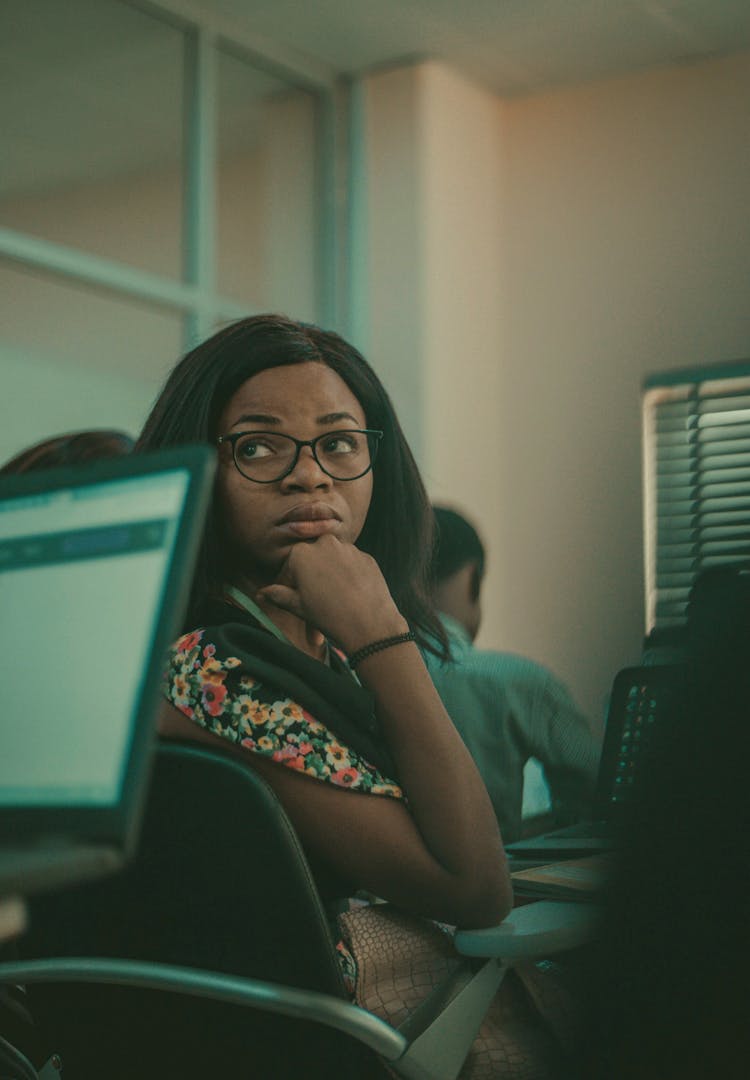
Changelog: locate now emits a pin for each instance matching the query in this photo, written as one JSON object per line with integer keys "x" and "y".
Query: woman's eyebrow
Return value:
{"x": 264, "y": 418}
{"x": 334, "y": 417}
{"x": 256, "y": 418}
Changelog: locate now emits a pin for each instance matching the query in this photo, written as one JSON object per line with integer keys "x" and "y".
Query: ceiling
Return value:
{"x": 515, "y": 47}
{"x": 119, "y": 104}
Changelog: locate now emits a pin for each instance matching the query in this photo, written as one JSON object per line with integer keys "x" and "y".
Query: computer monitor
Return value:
{"x": 95, "y": 569}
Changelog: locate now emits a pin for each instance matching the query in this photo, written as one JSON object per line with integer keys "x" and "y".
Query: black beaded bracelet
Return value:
{"x": 376, "y": 646}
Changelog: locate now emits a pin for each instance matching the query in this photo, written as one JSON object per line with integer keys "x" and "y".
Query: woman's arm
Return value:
{"x": 370, "y": 839}
{"x": 452, "y": 834}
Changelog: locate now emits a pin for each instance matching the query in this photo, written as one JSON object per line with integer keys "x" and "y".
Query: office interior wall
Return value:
{"x": 464, "y": 297}
{"x": 520, "y": 264}
{"x": 386, "y": 261}
{"x": 621, "y": 237}
{"x": 627, "y": 240}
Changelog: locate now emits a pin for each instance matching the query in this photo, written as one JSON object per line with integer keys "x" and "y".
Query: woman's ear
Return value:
{"x": 475, "y": 583}
{"x": 458, "y": 596}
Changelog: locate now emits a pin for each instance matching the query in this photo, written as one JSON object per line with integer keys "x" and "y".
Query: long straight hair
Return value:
{"x": 398, "y": 530}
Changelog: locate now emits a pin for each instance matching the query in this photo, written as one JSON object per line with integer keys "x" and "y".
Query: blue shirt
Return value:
{"x": 508, "y": 709}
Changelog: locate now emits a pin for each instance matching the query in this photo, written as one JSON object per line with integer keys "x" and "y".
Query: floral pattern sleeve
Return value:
{"x": 218, "y": 694}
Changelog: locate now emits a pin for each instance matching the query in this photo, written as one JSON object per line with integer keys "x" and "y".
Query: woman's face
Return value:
{"x": 264, "y": 521}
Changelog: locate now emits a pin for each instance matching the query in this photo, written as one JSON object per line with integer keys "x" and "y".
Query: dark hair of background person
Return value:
{"x": 73, "y": 448}
{"x": 669, "y": 982}
{"x": 398, "y": 528}
{"x": 456, "y": 544}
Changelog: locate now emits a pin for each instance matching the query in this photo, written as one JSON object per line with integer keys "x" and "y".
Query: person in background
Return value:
{"x": 507, "y": 709}
{"x": 73, "y": 448}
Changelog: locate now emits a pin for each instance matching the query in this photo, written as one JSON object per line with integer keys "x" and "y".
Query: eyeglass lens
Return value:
{"x": 344, "y": 455}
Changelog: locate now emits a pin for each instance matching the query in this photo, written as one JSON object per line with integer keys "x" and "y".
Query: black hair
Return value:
{"x": 73, "y": 448}
{"x": 398, "y": 528}
{"x": 456, "y": 544}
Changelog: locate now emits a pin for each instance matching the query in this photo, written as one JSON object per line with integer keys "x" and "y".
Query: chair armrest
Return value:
{"x": 271, "y": 997}
{"x": 533, "y": 930}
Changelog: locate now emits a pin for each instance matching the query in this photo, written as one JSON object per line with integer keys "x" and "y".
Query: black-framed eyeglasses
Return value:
{"x": 267, "y": 456}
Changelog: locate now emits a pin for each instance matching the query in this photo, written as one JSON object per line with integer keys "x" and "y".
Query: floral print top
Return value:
{"x": 219, "y": 695}
{"x": 216, "y": 693}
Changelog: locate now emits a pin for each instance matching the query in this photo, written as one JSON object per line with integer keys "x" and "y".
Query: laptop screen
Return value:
{"x": 82, "y": 575}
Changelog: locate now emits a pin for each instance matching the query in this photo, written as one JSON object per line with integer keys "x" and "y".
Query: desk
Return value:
{"x": 533, "y": 930}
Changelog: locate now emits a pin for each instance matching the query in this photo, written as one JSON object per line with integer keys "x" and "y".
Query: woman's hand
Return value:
{"x": 338, "y": 589}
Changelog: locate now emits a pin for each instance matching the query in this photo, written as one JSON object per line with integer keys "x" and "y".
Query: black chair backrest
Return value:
{"x": 219, "y": 882}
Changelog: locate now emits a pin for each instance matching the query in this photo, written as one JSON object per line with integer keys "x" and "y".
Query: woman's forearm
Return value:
{"x": 447, "y": 797}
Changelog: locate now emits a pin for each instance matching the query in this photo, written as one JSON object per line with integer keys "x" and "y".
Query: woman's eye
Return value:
{"x": 341, "y": 444}
{"x": 253, "y": 448}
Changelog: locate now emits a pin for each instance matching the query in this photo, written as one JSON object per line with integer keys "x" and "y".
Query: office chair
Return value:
{"x": 211, "y": 955}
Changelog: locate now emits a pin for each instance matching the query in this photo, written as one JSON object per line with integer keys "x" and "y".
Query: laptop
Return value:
{"x": 640, "y": 698}
{"x": 95, "y": 569}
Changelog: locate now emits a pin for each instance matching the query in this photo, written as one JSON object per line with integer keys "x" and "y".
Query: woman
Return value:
{"x": 309, "y": 563}
{"x": 317, "y": 550}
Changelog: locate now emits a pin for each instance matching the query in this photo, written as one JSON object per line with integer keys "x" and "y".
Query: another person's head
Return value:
{"x": 73, "y": 448}
{"x": 271, "y": 374}
{"x": 457, "y": 569}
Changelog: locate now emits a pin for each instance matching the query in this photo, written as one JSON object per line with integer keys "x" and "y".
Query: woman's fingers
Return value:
{"x": 339, "y": 590}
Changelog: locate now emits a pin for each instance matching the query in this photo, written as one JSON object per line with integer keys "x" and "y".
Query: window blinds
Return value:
{"x": 696, "y": 439}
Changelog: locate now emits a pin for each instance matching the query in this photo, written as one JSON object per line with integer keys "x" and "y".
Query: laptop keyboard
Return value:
{"x": 637, "y": 730}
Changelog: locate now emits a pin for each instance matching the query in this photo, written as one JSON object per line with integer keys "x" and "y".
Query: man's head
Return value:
{"x": 457, "y": 569}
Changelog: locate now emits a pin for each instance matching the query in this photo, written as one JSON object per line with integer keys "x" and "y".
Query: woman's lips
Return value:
{"x": 309, "y": 529}
{"x": 308, "y": 520}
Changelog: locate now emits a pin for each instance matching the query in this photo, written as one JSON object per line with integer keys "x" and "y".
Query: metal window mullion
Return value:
{"x": 327, "y": 231}
{"x": 201, "y": 108}
{"x": 117, "y": 277}
{"x": 298, "y": 68}
{"x": 355, "y": 270}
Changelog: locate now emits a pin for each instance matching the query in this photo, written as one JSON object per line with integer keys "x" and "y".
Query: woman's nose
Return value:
{"x": 307, "y": 472}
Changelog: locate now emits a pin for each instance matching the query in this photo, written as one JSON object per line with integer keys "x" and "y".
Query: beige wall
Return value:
{"x": 569, "y": 244}
{"x": 464, "y": 297}
{"x": 627, "y": 241}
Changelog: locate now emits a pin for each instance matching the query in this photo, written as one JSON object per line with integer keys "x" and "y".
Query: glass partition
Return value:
{"x": 75, "y": 357}
{"x": 92, "y": 121}
{"x": 268, "y": 190}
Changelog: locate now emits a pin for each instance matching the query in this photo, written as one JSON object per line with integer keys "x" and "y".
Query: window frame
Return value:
{"x": 195, "y": 296}
{"x": 687, "y": 415}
